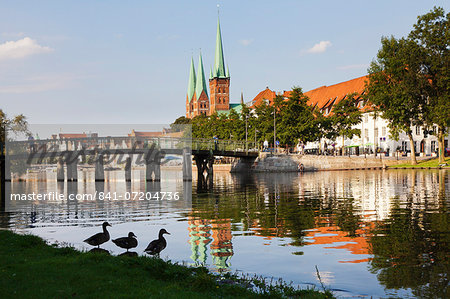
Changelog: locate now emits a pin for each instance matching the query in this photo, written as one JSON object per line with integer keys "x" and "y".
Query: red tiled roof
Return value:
{"x": 68, "y": 136}
{"x": 265, "y": 94}
{"x": 323, "y": 96}
{"x": 145, "y": 134}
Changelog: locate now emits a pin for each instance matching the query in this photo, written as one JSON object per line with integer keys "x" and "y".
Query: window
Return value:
{"x": 404, "y": 146}
{"x": 417, "y": 130}
{"x": 383, "y": 131}
{"x": 433, "y": 145}
{"x": 366, "y": 118}
{"x": 376, "y": 133}
{"x": 434, "y": 130}
{"x": 366, "y": 133}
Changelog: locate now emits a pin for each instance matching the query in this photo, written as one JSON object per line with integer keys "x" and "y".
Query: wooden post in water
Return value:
{"x": 157, "y": 165}
{"x": 148, "y": 170}
{"x": 72, "y": 170}
{"x": 60, "y": 170}
{"x": 128, "y": 169}
{"x": 99, "y": 169}
{"x": 187, "y": 165}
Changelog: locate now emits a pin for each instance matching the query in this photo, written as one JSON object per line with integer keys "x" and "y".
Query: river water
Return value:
{"x": 370, "y": 233}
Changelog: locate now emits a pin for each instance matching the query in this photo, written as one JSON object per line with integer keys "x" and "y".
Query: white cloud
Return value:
{"x": 353, "y": 66}
{"x": 21, "y": 48}
{"x": 246, "y": 42}
{"x": 319, "y": 47}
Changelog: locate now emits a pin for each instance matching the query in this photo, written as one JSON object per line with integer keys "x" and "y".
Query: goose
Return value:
{"x": 100, "y": 238}
{"x": 156, "y": 246}
{"x": 127, "y": 242}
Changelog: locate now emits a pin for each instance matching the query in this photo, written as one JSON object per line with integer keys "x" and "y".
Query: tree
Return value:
{"x": 17, "y": 124}
{"x": 432, "y": 34}
{"x": 298, "y": 121}
{"x": 345, "y": 116}
{"x": 396, "y": 84}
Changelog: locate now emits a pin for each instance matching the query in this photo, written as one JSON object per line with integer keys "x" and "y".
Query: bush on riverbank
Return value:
{"x": 30, "y": 268}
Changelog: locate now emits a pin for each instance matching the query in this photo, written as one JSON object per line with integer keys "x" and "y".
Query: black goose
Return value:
{"x": 156, "y": 246}
{"x": 100, "y": 238}
{"x": 127, "y": 242}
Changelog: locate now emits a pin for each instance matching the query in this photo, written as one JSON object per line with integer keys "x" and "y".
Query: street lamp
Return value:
{"x": 246, "y": 145}
{"x": 274, "y": 127}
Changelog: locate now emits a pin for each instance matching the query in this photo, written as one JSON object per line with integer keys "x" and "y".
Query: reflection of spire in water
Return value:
{"x": 200, "y": 237}
{"x": 221, "y": 247}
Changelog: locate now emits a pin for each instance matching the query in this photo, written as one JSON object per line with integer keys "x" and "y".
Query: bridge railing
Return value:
{"x": 73, "y": 144}
{"x": 218, "y": 146}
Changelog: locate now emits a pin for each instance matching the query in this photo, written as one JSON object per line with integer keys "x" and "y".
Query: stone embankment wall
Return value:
{"x": 289, "y": 163}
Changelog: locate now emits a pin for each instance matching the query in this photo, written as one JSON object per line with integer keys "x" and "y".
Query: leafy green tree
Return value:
{"x": 298, "y": 119}
{"x": 264, "y": 115}
{"x": 17, "y": 124}
{"x": 432, "y": 34}
{"x": 396, "y": 85}
{"x": 345, "y": 116}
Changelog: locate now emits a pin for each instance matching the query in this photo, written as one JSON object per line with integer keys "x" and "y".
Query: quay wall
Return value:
{"x": 290, "y": 163}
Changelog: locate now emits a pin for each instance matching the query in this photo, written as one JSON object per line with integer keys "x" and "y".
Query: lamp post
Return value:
{"x": 274, "y": 128}
{"x": 246, "y": 144}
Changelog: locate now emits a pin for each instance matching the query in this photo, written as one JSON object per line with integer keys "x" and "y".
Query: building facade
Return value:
{"x": 374, "y": 129}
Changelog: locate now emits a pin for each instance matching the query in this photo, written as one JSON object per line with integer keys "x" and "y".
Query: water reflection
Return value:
{"x": 386, "y": 228}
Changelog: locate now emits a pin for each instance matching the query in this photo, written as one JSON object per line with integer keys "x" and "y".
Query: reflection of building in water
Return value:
{"x": 372, "y": 192}
{"x": 221, "y": 247}
{"x": 333, "y": 234}
{"x": 200, "y": 237}
{"x": 220, "y": 239}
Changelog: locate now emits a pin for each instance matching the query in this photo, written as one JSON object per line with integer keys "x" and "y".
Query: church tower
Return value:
{"x": 201, "y": 93}
{"x": 191, "y": 91}
{"x": 219, "y": 81}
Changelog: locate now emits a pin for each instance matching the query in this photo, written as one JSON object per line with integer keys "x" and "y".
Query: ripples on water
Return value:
{"x": 371, "y": 233}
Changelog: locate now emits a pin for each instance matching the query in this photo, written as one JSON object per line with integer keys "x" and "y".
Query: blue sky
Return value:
{"x": 128, "y": 61}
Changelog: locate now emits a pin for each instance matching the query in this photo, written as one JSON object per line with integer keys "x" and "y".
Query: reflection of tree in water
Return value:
{"x": 347, "y": 217}
{"x": 269, "y": 207}
{"x": 411, "y": 249}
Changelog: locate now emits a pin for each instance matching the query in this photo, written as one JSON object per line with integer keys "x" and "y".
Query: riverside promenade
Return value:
{"x": 267, "y": 162}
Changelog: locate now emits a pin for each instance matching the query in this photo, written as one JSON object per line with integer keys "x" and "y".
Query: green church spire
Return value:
{"x": 201, "y": 82}
{"x": 219, "y": 62}
{"x": 192, "y": 79}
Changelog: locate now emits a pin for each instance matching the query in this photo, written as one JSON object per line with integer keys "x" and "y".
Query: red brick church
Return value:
{"x": 197, "y": 99}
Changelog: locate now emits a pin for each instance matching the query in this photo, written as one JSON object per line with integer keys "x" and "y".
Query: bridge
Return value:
{"x": 149, "y": 151}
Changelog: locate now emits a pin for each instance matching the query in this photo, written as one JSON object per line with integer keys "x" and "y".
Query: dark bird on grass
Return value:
{"x": 156, "y": 246}
{"x": 126, "y": 242}
{"x": 100, "y": 238}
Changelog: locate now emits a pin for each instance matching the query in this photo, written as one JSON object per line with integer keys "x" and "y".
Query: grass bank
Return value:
{"x": 432, "y": 163}
{"x": 30, "y": 268}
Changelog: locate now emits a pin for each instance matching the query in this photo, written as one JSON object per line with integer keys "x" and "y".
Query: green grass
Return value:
{"x": 433, "y": 163}
{"x": 30, "y": 268}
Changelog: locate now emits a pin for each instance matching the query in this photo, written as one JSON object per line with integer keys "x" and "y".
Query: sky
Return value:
{"x": 122, "y": 62}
